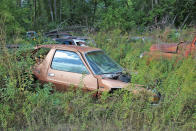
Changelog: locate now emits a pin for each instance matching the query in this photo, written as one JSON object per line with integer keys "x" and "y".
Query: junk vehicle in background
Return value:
{"x": 31, "y": 35}
{"x": 66, "y": 66}
{"x": 70, "y": 41}
{"x": 62, "y": 37}
{"x": 57, "y": 34}
{"x": 169, "y": 51}
{"x": 75, "y": 40}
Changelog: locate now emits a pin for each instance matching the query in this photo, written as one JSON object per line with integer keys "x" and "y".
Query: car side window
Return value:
{"x": 68, "y": 61}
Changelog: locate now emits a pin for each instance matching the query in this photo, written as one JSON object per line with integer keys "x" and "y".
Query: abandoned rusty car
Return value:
{"x": 65, "y": 65}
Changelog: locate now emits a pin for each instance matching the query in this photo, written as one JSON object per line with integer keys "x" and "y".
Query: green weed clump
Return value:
{"x": 27, "y": 105}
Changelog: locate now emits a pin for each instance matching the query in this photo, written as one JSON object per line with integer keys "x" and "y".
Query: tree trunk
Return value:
{"x": 156, "y": 2}
{"x": 55, "y": 14}
{"x": 105, "y": 3}
{"x": 94, "y": 11}
{"x": 60, "y": 12}
{"x": 156, "y": 21}
{"x": 185, "y": 20}
{"x": 51, "y": 11}
{"x": 19, "y": 3}
{"x": 35, "y": 13}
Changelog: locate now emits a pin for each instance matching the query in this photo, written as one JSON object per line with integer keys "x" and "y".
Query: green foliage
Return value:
{"x": 16, "y": 19}
{"x": 138, "y": 15}
{"x": 130, "y": 14}
{"x": 27, "y": 105}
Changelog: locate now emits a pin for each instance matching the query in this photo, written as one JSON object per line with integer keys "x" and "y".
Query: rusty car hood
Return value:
{"x": 113, "y": 83}
{"x": 109, "y": 84}
{"x": 167, "y": 48}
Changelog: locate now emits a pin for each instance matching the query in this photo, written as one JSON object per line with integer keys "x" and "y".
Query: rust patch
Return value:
{"x": 167, "y": 48}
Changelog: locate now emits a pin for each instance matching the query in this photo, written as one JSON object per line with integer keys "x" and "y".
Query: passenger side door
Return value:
{"x": 68, "y": 69}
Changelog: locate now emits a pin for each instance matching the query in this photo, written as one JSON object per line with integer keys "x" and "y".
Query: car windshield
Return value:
{"x": 101, "y": 63}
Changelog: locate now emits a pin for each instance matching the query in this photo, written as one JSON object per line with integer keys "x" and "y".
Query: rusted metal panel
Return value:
{"x": 158, "y": 55}
{"x": 168, "y": 48}
{"x": 172, "y": 50}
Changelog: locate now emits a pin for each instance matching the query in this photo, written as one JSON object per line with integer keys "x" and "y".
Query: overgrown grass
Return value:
{"x": 26, "y": 105}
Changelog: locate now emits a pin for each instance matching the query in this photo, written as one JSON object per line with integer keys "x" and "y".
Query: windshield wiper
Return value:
{"x": 116, "y": 72}
{"x": 111, "y": 74}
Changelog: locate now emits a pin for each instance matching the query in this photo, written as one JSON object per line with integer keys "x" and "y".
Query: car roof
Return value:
{"x": 69, "y": 47}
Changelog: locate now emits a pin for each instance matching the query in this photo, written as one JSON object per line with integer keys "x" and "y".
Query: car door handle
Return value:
{"x": 51, "y": 74}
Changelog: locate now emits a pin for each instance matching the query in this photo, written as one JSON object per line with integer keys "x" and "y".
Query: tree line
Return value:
{"x": 22, "y": 15}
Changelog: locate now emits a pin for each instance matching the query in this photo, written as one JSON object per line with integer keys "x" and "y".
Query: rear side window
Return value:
{"x": 68, "y": 61}
{"x": 40, "y": 55}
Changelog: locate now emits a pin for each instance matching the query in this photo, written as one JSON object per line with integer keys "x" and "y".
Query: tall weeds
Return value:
{"x": 24, "y": 109}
